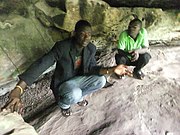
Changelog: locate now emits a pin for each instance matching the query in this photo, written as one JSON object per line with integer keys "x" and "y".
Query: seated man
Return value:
{"x": 76, "y": 73}
{"x": 132, "y": 48}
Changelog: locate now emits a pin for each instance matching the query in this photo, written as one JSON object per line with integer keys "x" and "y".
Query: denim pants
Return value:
{"x": 73, "y": 90}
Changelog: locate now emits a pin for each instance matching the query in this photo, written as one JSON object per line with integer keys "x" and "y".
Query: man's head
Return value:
{"x": 134, "y": 27}
{"x": 83, "y": 33}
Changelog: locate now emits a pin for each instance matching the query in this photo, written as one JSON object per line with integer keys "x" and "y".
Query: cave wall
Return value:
{"x": 28, "y": 29}
{"x": 164, "y": 4}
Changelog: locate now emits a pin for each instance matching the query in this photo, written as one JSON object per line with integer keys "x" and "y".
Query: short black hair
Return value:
{"x": 136, "y": 21}
{"x": 81, "y": 24}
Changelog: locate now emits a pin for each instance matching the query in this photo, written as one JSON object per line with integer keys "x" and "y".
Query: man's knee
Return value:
{"x": 69, "y": 93}
{"x": 120, "y": 59}
{"x": 68, "y": 85}
{"x": 72, "y": 96}
{"x": 145, "y": 57}
{"x": 101, "y": 81}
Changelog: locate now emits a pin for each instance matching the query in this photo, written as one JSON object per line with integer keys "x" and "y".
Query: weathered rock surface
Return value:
{"x": 165, "y": 4}
{"x": 29, "y": 28}
{"x": 13, "y": 124}
{"x": 130, "y": 106}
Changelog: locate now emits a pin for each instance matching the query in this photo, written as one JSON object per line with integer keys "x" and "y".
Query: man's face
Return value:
{"x": 83, "y": 36}
{"x": 134, "y": 29}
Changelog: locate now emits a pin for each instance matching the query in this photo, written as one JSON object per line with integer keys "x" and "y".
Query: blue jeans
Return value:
{"x": 73, "y": 90}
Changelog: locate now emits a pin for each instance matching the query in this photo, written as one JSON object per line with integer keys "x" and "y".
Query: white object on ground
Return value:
{"x": 13, "y": 124}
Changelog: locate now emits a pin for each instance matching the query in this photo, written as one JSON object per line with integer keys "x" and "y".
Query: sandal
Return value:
{"x": 138, "y": 74}
{"x": 66, "y": 112}
{"x": 83, "y": 103}
{"x": 108, "y": 84}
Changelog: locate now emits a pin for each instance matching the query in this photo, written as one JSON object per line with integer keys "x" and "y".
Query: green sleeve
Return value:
{"x": 145, "y": 42}
{"x": 121, "y": 42}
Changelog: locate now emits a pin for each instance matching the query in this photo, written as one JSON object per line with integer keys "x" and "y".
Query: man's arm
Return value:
{"x": 119, "y": 70}
{"x": 28, "y": 77}
{"x": 122, "y": 41}
{"x": 40, "y": 65}
{"x": 135, "y": 53}
{"x": 145, "y": 43}
{"x": 14, "y": 103}
{"x": 122, "y": 52}
{"x": 142, "y": 50}
{"x": 94, "y": 69}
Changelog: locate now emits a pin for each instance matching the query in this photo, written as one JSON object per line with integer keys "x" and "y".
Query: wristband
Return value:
{"x": 21, "y": 89}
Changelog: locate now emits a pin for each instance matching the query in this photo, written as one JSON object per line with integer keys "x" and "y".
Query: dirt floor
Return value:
{"x": 129, "y": 107}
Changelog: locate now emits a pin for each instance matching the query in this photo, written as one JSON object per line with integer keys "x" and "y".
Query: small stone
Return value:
{"x": 168, "y": 133}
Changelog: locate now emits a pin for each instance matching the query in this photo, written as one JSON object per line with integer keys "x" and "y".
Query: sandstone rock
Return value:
{"x": 13, "y": 123}
{"x": 167, "y": 4}
{"x": 30, "y": 28}
{"x": 130, "y": 106}
{"x": 61, "y": 4}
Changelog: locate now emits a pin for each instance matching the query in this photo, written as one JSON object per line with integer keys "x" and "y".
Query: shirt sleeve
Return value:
{"x": 145, "y": 42}
{"x": 121, "y": 42}
{"x": 40, "y": 65}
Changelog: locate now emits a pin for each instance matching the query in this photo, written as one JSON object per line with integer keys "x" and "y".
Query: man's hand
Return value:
{"x": 14, "y": 103}
{"x": 135, "y": 55}
{"x": 122, "y": 70}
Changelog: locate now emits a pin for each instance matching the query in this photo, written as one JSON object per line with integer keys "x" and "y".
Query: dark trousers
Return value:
{"x": 122, "y": 58}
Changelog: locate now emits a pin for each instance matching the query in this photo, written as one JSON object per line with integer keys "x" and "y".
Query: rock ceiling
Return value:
{"x": 164, "y": 4}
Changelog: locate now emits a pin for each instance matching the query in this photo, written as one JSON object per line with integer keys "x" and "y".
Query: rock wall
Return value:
{"x": 14, "y": 124}
{"x": 165, "y": 4}
{"x": 29, "y": 29}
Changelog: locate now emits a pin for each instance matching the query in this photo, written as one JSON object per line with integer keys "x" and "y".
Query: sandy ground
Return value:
{"x": 130, "y": 107}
